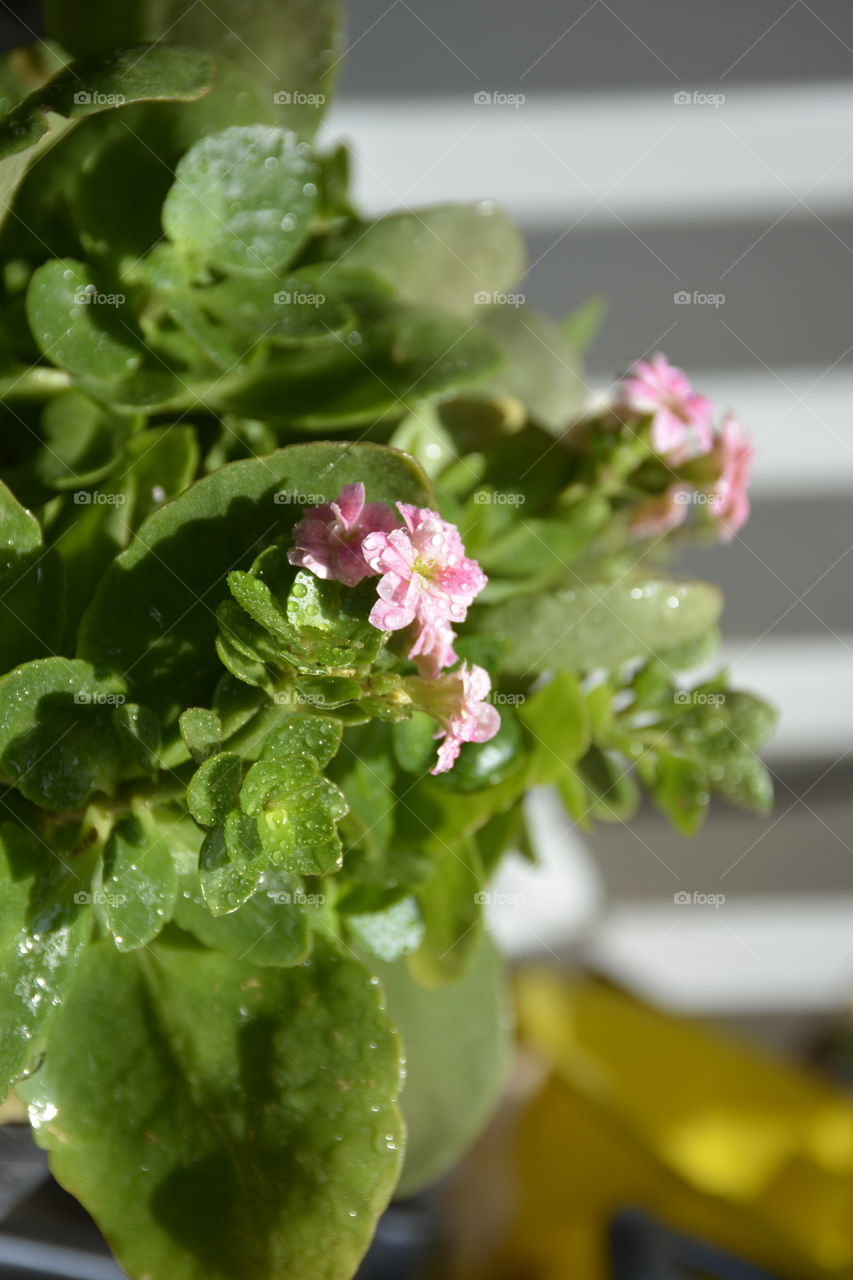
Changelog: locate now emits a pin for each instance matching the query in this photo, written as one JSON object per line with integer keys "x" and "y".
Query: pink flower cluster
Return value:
{"x": 426, "y": 583}
{"x": 682, "y": 430}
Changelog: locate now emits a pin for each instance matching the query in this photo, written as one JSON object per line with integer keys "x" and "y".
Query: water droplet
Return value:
{"x": 42, "y": 1113}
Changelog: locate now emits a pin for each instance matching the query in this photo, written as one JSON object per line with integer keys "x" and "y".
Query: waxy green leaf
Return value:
{"x": 231, "y": 863}
{"x": 602, "y": 625}
{"x": 280, "y": 58}
{"x": 270, "y": 928}
{"x": 100, "y": 82}
{"x": 82, "y": 326}
{"x": 558, "y": 718}
{"x": 451, "y": 905}
{"x": 456, "y": 257}
{"x": 201, "y": 730}
{"x": 457, "y": 1045}
{"x": 542, "y": 369}
{"x": 297, "y": 811}
{"x": 388, "y": 934}
{"x": 57, "y": 739}
{"x": 242, "y": 200}
{"x": 45, "y": 921}
{"x": 264, "y": 1141}
{"x": 83, "y": 442}
{"x": 215, "y": 788}
{"x": 140, "y": 881}
{"x": 31, "y": 587}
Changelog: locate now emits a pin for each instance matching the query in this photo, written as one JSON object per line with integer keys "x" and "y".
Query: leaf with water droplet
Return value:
{"x": 230, "y": 864}
{"x": 201, "y": 730}
{"x": 214, "y": 788}
{"x": 43, "y": 930}
{"x": 602, "y": 624}
{"x": 82, "y": 325}
{"x": 140, "y": 882}
{"x": 458, "y": 1049}
{"x": 270, "y": 928}
{"x": 453, "y": 254}
{"x": 317, "y": 736}
{"x": 235, "y": 1123}
{"x": 31, "y": 587}
{"x": 229, "y": 210}
{"x": 58, "y": 740}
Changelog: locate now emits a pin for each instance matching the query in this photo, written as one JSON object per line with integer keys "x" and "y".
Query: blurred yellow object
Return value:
{"x": 640, "y": 1109}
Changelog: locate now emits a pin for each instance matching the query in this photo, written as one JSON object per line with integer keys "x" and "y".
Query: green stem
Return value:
{"x": 36, "y": 383}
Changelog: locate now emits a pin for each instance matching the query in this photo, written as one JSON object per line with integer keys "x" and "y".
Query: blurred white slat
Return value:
{"x": 556, "y": 159}
{"x": 745, "y": 955}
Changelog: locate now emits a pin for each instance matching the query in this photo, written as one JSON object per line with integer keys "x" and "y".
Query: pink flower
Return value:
{"x": 427, "y": 581}
{"x": 329, "y": 537}
{"x": 659, "y": 515}
{"x": 457, "y": 700}
{"x": 432, "y": 648}
{"x": 681, "y": 419}
{"x": 730, "y": 506}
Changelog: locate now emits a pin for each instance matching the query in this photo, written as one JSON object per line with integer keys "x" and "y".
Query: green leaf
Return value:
{"x": 286, "y": 309}
{"x": 138, "y": 733}
{"x": 558, "y": 718}
{"x": 681, "y": 791}
{"x": 230, "y": 864}
{"x": 317, "y": 736}
{"x": 368, "y": 377}
{"x": 744, "y": 780}
{"x": 31, "y": 587}
{"x": 458, "y": 1051}
{"x": 285, "y": 54}
{"x": 81, "y": 326}
{"x": 297, "y": 812}
{"x": 316, "y": 605}
{"x": 103, "y": 81}
{"x": 451, "y": 905}
{"x": 89, "y": 532}
{"x": 154, "y": 613}
{"x": 582, "y": 326}
{"x": 243, "y": 199}
{"x": 83, "y": 442}
{"x": 751, "y": 720}
{"x": 43, "y": 930}
{"x": 161, "y": 463}
{"x": 118, "y": 200}
{"x": 448, "y": 256}
{"x": 368, "y": 786}
{"x": 201, "y": 730}
{"x": 611, "y": 792}
{"x": 270, "y": 928}
{"x": 243, "y": 1149}
{"x": 389, "y": 934}
{"x": 57, "y": 741}
{"x": 140, "y": 882}
{"x": 601, "y": 624}
{"x": 542, "y": 369}
{"x": 215, "y": 788}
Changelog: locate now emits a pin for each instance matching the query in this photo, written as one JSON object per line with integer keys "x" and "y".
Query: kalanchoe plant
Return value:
{"x": 313, "y": 564}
